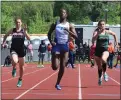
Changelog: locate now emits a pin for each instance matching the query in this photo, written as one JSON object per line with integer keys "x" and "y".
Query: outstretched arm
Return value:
{"x": 6, "y": 35}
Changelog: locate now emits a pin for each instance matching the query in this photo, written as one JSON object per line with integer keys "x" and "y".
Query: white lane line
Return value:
{"x": 46, "y": 94}
{"x": 35, "y": 86}
{"x": 105, "y": 94}
{"x": 24, "y": 74}
{"x": 114, "y": 80}
{"x": 6, "y": 70}
{"x": 80, "y": 92}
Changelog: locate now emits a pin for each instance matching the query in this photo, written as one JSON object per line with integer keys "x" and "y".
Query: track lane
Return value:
{"x": 46, "y": 90}
{"x": 90, "y": 88}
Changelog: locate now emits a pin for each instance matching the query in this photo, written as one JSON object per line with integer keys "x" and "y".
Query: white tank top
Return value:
{"x": 60, "y": 34}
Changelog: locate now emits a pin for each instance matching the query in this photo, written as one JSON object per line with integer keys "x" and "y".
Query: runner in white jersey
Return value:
{"x": 60, "y": 44}
{"x": 60, "y": 33}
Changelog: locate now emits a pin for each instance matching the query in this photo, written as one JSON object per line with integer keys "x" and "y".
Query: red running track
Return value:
{"x": 78, "y": 83}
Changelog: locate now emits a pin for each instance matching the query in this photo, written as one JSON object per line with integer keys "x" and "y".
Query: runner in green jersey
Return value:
{"x": 101, "y": 36}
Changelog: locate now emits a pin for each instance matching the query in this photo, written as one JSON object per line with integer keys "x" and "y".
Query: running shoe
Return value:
{"x": 69, "y": 65}
{"x": 19, "y": 84}
{"x": 38, "y": 65}
{"x": 58, "y": 87}
{"x": 14, "y": 72}
{"x": 42, "y": 65}
{"x": 105, "y": 77}
{"x": 74, "y": 67}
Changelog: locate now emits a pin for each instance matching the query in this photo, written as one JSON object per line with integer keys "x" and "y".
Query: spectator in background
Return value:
{"x": 42, "y": 51}
{"x": 111, "y": 55}
{"x": 71, "y": 53}
{"x": 86, "y": 52}
{"x": 7, "y": 61}
{"x": 119, "y": 56}
{"x": 81, "y": 52}
{"x": 85, "y": 45}
{"x": 30, "y": 52}
{"x": 74, "y": 52}
{"x": 49, "y": 48}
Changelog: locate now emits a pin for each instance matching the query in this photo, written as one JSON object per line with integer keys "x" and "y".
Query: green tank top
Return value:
{"x": 102, "y": 41}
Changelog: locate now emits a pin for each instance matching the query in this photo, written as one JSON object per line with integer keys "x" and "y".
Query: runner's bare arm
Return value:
{"x": 114, "y": 35}
{"x": 26, "y": 33}
{"x": 72, "y": 31}
{"x": 52, "y": 28}
{"x": 6, "y": 35}
{"x": 94, "y": 37}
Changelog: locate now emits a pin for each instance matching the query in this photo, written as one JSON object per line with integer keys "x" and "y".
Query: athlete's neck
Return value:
{"x": 18, "y": 28}
{"x": 102, "y": 30}
{"x": 63, "y": 20}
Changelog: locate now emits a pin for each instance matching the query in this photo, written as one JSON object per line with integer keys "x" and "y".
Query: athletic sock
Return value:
{"x": 20, "y": 79}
